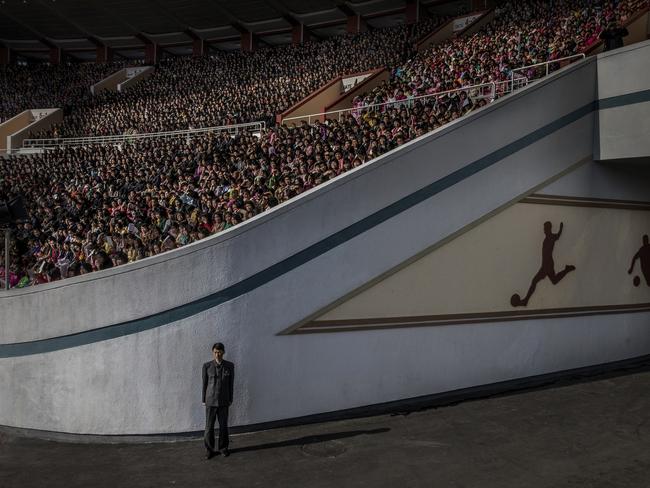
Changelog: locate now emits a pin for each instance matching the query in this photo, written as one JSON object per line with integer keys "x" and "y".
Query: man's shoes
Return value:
{"x": 210, "y": 454}
{"x": 225, "y": 452}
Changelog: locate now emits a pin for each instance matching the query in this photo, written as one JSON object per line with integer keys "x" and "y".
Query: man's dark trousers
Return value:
{"x": 218, "y": 383}
{"x": 219, "y": 414}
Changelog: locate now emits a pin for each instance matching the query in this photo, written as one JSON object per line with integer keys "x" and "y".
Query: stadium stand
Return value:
{"x": 230, "y": 88}
{"x": 104, "y": 205}
{"x": 42, "y": 86}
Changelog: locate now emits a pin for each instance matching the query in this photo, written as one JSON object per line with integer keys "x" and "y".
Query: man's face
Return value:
{"x": 218, "y": 355}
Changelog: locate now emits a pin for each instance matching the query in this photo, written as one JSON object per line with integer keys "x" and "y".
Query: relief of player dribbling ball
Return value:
{"x": 547, "y": 270}
{"x": 643, "y": 255}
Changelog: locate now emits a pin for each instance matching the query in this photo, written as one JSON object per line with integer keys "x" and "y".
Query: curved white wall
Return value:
{"x": 148, "y": 382}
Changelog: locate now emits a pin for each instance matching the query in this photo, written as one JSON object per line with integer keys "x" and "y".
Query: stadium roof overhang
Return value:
{"x": 33, "y": 27}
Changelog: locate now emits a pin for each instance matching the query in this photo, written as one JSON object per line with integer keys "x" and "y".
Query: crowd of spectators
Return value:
{"x": 521, "y": 34}
{"x": 101, "y": 206}
{"x": 112, "y": 204}
{"x": 37, "y": 86}
{"x": 234, "y": 87}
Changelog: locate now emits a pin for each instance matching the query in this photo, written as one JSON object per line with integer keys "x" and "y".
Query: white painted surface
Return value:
{"x": 242, "y": 251}
{"x": 624, "y": 70}
{"x": 351, "y": 82}
{"x": 624, "y": 132}
{"x": 150, "y": 382}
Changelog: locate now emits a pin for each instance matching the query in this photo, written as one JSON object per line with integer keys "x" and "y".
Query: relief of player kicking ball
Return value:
{"x": 643, "y": 255}
{"x": 547, "y": 269}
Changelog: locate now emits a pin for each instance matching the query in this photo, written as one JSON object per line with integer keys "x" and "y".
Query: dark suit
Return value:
{"x": 218, "y": 382}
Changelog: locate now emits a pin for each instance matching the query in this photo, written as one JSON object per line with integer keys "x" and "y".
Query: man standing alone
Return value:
{"x": 218, "y": 381}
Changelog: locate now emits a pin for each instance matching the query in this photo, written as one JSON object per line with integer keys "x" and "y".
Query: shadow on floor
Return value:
{"x": 521, "y": 386}
{"x": 310, "y": 439}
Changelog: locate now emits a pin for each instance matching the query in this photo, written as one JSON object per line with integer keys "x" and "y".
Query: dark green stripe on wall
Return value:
{"x": 269, "y": 274}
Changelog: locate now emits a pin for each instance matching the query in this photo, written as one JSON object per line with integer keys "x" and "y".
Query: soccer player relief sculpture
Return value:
{"x": 547, "y": 270}
{"x": 643, "y": 255}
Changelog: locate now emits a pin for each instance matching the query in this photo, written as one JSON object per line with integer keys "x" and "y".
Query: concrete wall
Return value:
{"x": 13, "y": 125}
{"x": 345, "y": 100}
{"x": 42, "y": 119}
{"x": 439, "y": 35}
{"x": 120, "y": 351}
{"x": 473, "y": 277}
{"x": 624, "y": 131}
{"x": 461, "y": 23}
{"x": 313, "y": 103}
{"x": 109, "y": 83}
{"x": 134, "y": 76}
{"x": 638, "y": 28}
{"x": 477, "y": 25}
{"x": 353, "y": 80}
{"x": 451, "y": 28}
{"x": 332, "y": 94}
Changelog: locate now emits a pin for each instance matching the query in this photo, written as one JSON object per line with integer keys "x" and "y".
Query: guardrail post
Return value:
{"x": 7, "y": 240}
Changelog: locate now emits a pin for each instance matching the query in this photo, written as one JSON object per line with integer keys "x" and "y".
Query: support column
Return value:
{"x": 356, "y": 24}
{"x": 299, "y": 34}
{"x": 412, "y": 11}
{"x": 5, "y": 55}
{"x": 56, "y": 55}
{"x": 248, "y": 42}
{"x": 104, "y": 54}
{"x": 151, "y": 53}
{"x": 480, "y": 5}
{"x": 199, "y": 48}
{"x": 7, "y": 248}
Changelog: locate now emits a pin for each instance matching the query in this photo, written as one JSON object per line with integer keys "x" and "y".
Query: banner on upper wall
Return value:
{"x": 462, "y": 22}
{"x": 544, "y": 257}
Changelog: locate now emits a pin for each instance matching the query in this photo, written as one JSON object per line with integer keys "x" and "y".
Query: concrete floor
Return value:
{"x": 587, "y": 433}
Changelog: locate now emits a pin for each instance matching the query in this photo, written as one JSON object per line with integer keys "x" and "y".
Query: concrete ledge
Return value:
{"x": 36, "y": 119}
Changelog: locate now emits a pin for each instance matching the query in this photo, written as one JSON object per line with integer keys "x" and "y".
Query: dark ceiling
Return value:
{"x": 78, "y": 26}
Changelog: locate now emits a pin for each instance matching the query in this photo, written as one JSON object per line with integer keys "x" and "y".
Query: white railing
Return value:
{"x": 253, "y": 127}
{"x": 488, "y": 91}
{"x": 498, "y": 89}
{"x": 475, "y": 92}
{"x": 540, "y": 67}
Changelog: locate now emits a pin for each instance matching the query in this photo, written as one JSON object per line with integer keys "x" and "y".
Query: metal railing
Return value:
{"x": 126, "y": 138}
{"x": 498, "y": 89}
{"x": 475, "y": 92}
{"x": 491, "y": 91}
{"x": 544, "y": 67}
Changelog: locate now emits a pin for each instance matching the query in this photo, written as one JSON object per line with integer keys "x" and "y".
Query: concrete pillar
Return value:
{"x": 151, "y": 53}
{"x": 104, "y": 54}
{"x": 199, "y": 48}
{"x": 299, "y": 34}
{"x": 412, "y": 11}
{"x": 56, "y": 55}
{"x": 248, "y": 42}
{"x": 356, "y": 24}
{"x": 479, "y": 5}
{"x": 5, "y": 55}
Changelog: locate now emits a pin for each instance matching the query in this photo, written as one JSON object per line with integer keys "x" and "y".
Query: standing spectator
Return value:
{"x": 613, "y": 36}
